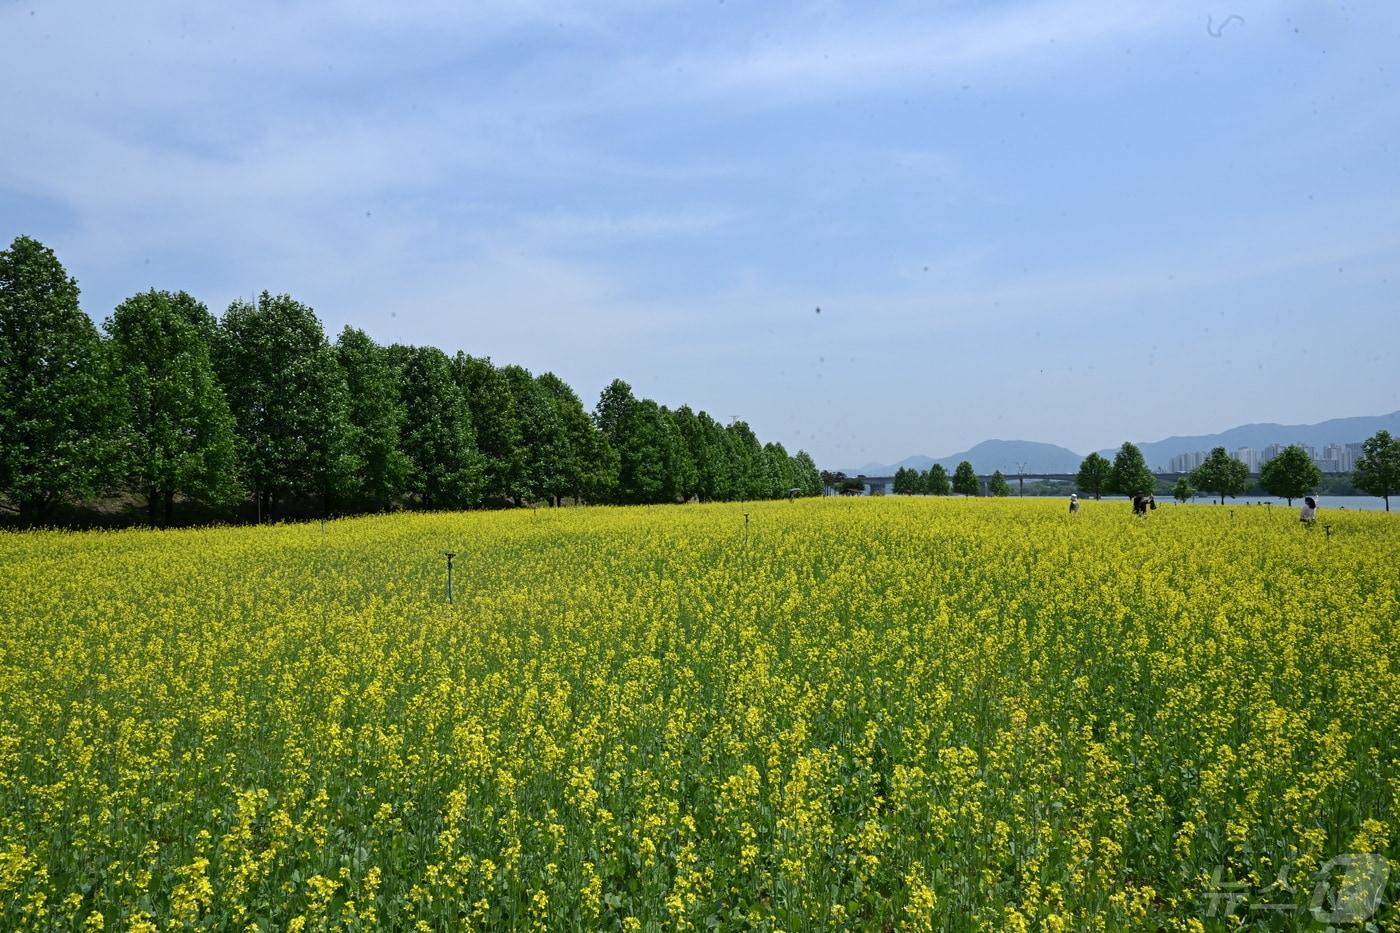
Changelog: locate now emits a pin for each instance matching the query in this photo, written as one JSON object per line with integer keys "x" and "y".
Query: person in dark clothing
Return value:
{"x": 1140, "y": 504}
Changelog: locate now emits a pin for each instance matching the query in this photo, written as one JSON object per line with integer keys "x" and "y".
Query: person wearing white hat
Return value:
{"x": 1073, "y": 502}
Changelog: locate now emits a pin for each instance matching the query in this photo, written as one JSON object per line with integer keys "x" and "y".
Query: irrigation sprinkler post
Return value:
{"x": 449, "y": 555}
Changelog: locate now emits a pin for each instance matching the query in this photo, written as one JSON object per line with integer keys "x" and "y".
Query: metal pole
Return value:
{"x": 450, "y": 555}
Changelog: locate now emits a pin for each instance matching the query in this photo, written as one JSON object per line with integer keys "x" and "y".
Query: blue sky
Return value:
{"x": 1075, "y": 222}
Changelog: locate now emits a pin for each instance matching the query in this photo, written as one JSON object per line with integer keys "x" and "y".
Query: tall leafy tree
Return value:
{"x": 720, "y": 469}
{"x": 612, "y": 407}
{"x": 1291, "y": 474}
{"x": 376, "y": 416}
{"x": 1183, "y": 491}
{"x": 1129, "y": 474}
{"x": 178, "y": 433}
{"x": 543, "y": 446}
{"x": 998, "y": 485}
{"x": 1094, "y": 476}
{"x": 682, "y": 476}
{"x": 289, "y": 399}
{"x": 751, "y": 480}
{"x": 965, "y": 481}
{"x": 806, "y": 476}
{"x": 445, "y": 468}
{"x": 690, "y": 452}
{"x": 1378, "y": 470}
{"x": 59, "y": 413}
{"x": 936, "y": 483}
{"x": 495, "y": 425}
{"x": 906, "y": 481}
{"x": 697, "y": 443}
{"x": 642, "y": 439}
{"x": 1221, "y": 474}
{"x": 779, "y": 469}
{"x": 588, "y": 466}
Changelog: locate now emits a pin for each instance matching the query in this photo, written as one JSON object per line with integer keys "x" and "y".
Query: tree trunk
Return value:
{"x": 169, "y": 507}
{"x": 152, "y": 498}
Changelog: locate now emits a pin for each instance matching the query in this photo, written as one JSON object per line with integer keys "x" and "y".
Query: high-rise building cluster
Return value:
{"x": 1333, "y": 458}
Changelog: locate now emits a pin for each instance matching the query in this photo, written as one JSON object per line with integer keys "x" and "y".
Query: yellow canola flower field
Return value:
{"x": 870, "y": 714}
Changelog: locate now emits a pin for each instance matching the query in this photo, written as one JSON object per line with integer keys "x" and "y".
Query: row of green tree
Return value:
{"x": 168, "y": 402}
{"x": 935, "y": 481}
{"x": 1290, "y": 475}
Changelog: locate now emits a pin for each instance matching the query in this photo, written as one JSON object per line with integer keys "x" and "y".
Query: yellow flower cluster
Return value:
{"x": 845, "y": 714}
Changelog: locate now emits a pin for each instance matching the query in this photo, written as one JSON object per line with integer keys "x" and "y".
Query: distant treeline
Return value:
{"x": 168, "y": 403}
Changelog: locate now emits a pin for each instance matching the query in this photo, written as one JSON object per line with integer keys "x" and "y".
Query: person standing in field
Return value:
{"x": 1073, "y": 503}
{"x": 1140, "y": 504}
{"x": 1308, "y": 513}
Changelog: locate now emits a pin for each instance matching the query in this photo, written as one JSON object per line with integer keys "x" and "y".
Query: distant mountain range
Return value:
{"x": 1337, "y": 430}
{"x": 1051, "y": 458}
{"x": 988, "y": 456}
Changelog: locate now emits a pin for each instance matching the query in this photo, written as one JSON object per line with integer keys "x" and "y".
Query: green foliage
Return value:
{"x": 1221, "y": 475}
{"x": 723, "y": 468}
{"x": 178, "y": 433}
{"x": 543, "y": 449}
{"x": 376, "y": 417}
{"x": 1378, "y": 470}
{"x": 750, "y": 481}
{"x": 643, "y": 441}
{"x": 179, "y": 404}
{"x": 998, "y": 485}
{"x": 445, "y": 468}
{"x": 1129, "y": 474}
{"x": 59, "y": 413}
{"x": 778, "y": 469}
{"x": 496, "y": 426}
{"x": 289, "y": 399}
{"x": 587, "y": 464}
{"x": 965, "y": 482}
{"x": 806, "y": 476}
{"x": 1291, "y": 474}
{"x": 613, "y": 403}
{"x": 1094, "y": 475}
{"x": 936, "y": 481}
{"x": 682, "y": 476}
{"x": 1183, "y": 491}
{"x": 907, "y": 482}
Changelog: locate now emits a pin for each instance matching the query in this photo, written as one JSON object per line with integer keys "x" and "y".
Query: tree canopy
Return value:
{"x": 1378, "y": 470}
{"x": 1129, "y": 474}
{"x": 936, "y": 482}
{"x": 965, "y": 482}
{"x": 59, "y": 411}
{"x": 1221, "y": 474}
{"x": 170, "y": 403}
{"x": 1094, "y": 475}
{"x": 1290, "y": 475}
{"x": 178, "y": 432}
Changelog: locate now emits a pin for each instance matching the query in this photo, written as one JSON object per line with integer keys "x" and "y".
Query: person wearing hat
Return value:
{"x": 1073, "y": 502}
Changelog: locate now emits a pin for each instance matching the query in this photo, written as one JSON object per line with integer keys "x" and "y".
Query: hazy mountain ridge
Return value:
{"x": 1335, "y": 430}
{"x": 1040, "y": 457}
{"x": 991, "y": 455}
